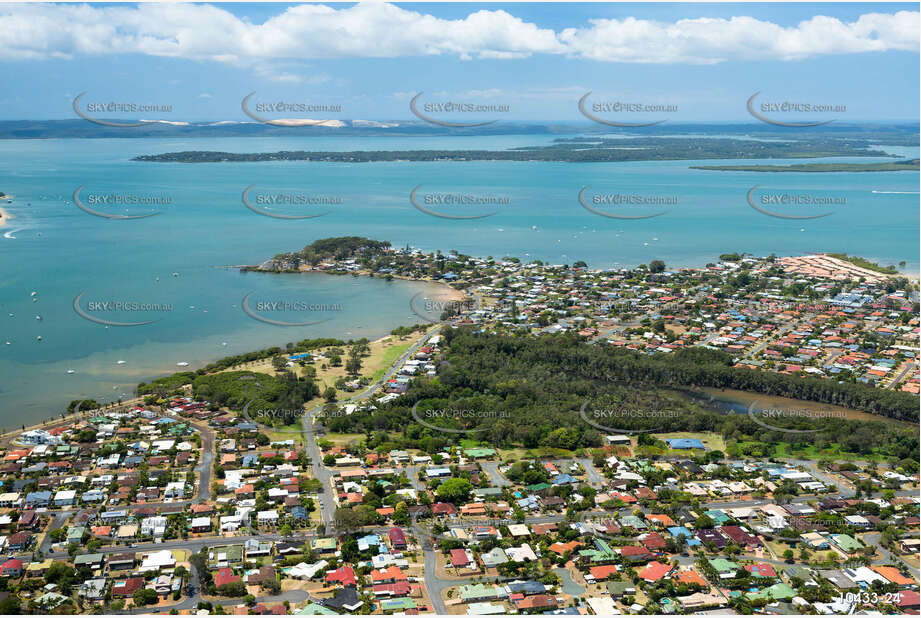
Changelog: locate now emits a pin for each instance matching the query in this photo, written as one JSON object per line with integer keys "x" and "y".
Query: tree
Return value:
{"x": 454, "y": 490}
{"x": 346, "y": 519}
{"x": 145, "y": 596}
{"x": 232, "y": 589}
{"x": 656, "y": 266}
{"x": 353, "y": 365}
{"x": 10, "y": 606}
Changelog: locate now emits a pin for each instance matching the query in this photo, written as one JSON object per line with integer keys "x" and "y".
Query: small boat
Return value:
{"x": 33, "y": 294}
{"x": 39, "y": 338}
{"x": 175, "y": 274}
{"x": 8, "y": 343}
{"x": 182, "y": 364}
{"x": 70, "y": 371}
{"x": 121, "y": 362}
{"x": 39, "y": 318}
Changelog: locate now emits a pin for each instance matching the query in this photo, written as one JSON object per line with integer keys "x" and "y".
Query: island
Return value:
{"x": 574, "y": 150}
{"x": 909, "y": 165}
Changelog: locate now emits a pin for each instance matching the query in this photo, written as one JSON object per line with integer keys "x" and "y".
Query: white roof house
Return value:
{"x": 154, "y": 561}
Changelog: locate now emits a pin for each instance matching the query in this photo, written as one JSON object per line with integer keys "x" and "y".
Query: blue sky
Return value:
{"x": 538, "y": 59}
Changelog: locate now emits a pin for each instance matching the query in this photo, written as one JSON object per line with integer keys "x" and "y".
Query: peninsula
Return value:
{"x": 574, "y": 150}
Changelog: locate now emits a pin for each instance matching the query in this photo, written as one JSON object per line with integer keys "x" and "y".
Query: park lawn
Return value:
{"x": 341, "y": 439}
{"x": 834, "y": 452}
{"x": 181, "y": 555}
{"x": 779, "y": 547}
{"x": 385, "y": 355}
{"x": 286, "y": 432}
{"x": 509, "y": 454}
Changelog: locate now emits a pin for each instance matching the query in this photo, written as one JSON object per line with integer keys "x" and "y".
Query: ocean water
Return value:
{"x": 58, "y": 251}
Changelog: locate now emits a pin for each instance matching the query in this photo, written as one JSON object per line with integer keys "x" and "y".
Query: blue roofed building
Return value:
{"x": 684, "y": 443}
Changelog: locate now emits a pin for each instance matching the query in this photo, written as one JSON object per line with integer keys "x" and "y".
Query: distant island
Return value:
{"x": 909, "y": 165}
{"x": 576, "y": 150}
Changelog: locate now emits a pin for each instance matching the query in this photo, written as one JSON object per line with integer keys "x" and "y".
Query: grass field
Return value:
{"x": 385, "y": 357}
{"x": 341, "y": 439}
{"x": 785, "y": 449}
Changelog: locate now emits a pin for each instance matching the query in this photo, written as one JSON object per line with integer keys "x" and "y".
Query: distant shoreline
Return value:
{"x": 895, "y": 166}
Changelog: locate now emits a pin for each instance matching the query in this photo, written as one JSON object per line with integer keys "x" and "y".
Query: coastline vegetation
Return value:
{"x": 528, "y": 392}
{"x": 909, "y": 165}
{"x": 865, "y": 263}
{"x": 576, "y": 150}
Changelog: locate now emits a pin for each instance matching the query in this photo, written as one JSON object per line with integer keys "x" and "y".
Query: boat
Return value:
{"x": 121, "y": 362}
{"x": 182, "y": 364}
{"x": 70, "y": 371}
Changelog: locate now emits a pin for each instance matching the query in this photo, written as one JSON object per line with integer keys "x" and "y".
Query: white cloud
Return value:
{"x": 709, "y": 41}
{"x": 377, "y": 30}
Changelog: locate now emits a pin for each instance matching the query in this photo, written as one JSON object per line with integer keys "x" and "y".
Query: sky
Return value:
{"x": 525, "y": 61}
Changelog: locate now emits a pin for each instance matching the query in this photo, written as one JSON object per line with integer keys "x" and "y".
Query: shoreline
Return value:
{"x": 256, "y": 268}
{"x": 455, "y": 293}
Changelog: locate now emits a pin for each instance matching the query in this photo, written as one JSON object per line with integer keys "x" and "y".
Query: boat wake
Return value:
{"x": 11, "y": 232}
{"x": 896, "y": 192}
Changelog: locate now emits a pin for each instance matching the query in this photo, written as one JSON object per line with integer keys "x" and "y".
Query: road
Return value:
{"x": 909, "y": 368}
{"x": 320, "y": 471}
{"x": 496, "y": 478}
{"x": 191, "y": 603}
{"x": 887, "y": 557}
{"x": 594, "y": 478}
{"x": 773, "y": 337}
{"x": 204, "y": 467}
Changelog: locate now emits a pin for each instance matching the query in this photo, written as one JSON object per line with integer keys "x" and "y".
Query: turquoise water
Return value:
{"x": 58, "y": 251}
